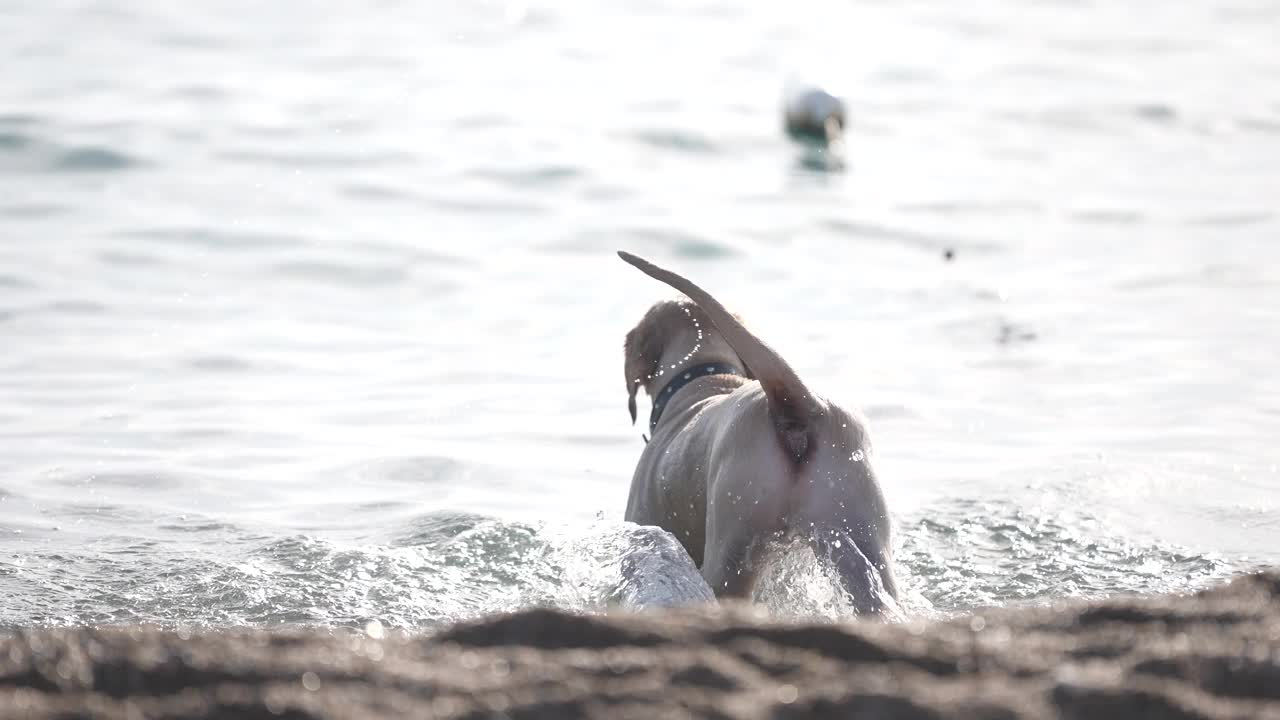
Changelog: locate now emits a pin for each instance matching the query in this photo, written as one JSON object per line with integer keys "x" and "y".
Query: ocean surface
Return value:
{"x": 309, "y": 312}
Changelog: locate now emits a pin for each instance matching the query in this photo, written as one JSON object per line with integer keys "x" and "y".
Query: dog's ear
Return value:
{"x": 642, "y": 351}
{"x": 746, "y": 370}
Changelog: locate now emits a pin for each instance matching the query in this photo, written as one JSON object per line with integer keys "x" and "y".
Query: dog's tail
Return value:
{"x": 793, "y": 408}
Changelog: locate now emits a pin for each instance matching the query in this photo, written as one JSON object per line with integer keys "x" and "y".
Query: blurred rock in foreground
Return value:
{"x": 1211, "y": 655}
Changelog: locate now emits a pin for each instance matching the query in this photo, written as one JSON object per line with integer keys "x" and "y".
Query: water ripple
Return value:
{"x": 27, "y": 152}
{"x": 657, "y": 241}
{"x": 214, "y": 238}
{"x": 680, "y": 140}
{"x": 342, "y": 273}
{"x": 971, "y": 554}
{"x": 318, "y": 159}
{"x": 13, "y": 141}
{"x": 94, "y": 159}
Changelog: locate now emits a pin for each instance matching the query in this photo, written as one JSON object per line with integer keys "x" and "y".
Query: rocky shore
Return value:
{"x": 1215, "y": 654}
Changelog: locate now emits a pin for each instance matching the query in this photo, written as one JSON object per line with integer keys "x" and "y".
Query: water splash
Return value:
{"x": 967, "y": 554}
{"x": 446, "y": 567}
{"x": 799, "y": 583}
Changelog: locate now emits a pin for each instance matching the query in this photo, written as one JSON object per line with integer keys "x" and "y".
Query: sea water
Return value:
{"x": 309, "y": 312}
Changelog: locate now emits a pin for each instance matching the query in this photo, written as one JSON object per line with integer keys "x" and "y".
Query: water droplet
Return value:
{"x": 310, "y": 681}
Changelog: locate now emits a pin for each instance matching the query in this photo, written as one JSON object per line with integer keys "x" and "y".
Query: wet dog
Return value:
{"x": 743, "y": 453}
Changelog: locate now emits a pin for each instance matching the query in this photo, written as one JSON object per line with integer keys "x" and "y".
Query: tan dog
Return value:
{"x": 742, "y": 453}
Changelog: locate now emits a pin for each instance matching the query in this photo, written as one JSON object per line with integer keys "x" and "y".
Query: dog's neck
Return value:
{"x": 683, "y": 377}
{"x": 685, "y": 349}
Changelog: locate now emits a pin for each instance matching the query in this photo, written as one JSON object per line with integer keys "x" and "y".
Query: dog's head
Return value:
{"x": 670, "y": 333}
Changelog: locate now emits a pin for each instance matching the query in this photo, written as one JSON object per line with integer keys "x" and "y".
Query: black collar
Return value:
{"x": 664, "y": 396}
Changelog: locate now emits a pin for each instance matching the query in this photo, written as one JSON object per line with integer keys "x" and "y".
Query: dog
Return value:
{"x": 742, "y": 453}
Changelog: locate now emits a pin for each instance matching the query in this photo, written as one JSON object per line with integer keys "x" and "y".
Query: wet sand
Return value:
{"x": 1215, "y": 654}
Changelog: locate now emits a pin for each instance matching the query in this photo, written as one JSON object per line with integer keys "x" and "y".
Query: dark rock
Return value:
{"x": 1215, "y": 654}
